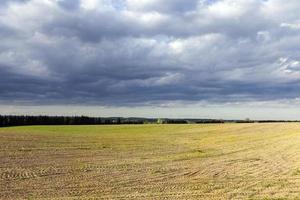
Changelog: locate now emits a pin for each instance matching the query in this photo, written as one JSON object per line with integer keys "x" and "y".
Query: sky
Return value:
{"x": 229, "y": 59}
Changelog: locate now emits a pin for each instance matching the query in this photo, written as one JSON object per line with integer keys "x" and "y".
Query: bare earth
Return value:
{"x": 229, "y": 161}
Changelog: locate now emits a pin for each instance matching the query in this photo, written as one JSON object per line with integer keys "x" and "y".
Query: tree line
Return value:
{"x": 12, "y": 120}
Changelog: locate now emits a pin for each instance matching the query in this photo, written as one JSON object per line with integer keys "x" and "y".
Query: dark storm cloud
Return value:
{"x": 67, "y": 4}
{"x": 5, "y": 3}
{"x": 96, "y": 24}
{"x": 6, "y": 31}
{"x": 167, "y": 6}
{"x": 145, "y": 52}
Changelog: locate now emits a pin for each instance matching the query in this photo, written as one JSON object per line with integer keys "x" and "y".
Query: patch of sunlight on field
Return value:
{"x": 222, "y": 161}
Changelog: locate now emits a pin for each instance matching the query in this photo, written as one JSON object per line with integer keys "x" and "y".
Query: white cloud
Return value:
{"x": 290, "y": 25}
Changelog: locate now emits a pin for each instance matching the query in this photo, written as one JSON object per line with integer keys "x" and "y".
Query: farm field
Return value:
{"x": 221, "y": 161}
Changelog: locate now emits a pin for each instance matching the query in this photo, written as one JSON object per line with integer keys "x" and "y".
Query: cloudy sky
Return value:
{"x": 154, "y": 58}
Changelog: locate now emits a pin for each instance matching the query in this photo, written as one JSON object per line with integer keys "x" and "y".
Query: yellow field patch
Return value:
{"x": 221, "y": 161}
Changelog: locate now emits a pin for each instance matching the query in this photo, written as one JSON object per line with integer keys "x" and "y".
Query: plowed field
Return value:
{"x": 222, "y": 161}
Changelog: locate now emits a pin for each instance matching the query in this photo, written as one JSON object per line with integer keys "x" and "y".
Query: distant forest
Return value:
{"x": 13, "y": 120}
